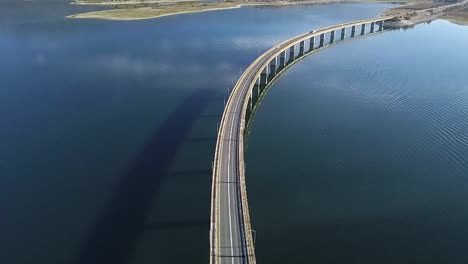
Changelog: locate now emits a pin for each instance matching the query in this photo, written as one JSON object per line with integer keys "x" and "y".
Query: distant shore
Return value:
{"x": 140, "y": 13}
{"x": 415, "y": 11}
{"x": 135, "y": 10}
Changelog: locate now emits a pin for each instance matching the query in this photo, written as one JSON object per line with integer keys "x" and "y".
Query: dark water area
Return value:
{"x": 108, "y": 127}
{"x": 359, "y": 153}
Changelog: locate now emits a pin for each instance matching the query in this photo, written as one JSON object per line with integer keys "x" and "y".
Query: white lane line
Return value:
{"x": 229, "y": 193}
{"x": 229, "y": 187}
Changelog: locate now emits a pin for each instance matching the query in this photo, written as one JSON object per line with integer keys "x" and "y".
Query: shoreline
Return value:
{"x": 140, "y": 13}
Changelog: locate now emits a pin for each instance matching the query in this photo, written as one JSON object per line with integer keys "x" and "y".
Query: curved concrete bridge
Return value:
{"x": 230, "y": 232}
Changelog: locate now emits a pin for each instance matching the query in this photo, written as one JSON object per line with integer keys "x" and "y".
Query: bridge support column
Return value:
{"x": 332, "y": 36}
{"x": 343, "y": 33}
{"x": 322, "y": 39}
{"x": 311, "y": 43}
{"x": 256, "y": 91}
{"x": 372, "y": 26}
{"x": 381, "y": 24}
{"x": 249, "y": 109}
{"x": 301, "y": 48}
{"x": 363, "y": 29}
{"x": 272, "y": 68}
{"x": 263, "y": 79}
{"x": 291, "y": 52}
{"x": 353, "y": 31}
{"x": 282, "y": 59}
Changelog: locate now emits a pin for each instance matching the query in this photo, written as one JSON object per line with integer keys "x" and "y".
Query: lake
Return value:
{"x": 108, "y": 131}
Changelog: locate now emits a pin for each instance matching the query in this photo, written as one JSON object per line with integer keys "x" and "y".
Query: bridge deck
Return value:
{"x": 231, "y": 236}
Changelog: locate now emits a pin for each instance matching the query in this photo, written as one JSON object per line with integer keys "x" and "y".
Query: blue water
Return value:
{"x": 359, "y": 153}
{"x": 108, "y": 128}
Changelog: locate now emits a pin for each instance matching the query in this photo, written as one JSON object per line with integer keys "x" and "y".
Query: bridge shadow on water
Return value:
{"x": 120, "y": 225}
{"x": 205, "y": 223}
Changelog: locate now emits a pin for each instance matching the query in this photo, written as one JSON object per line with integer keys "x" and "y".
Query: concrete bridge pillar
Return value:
{"x": 257, "y": 84}
{"x": 363, "y": 29}
{"x": 251, "y": 105}
{"x": 282, "y": 59}
{"x": 343, "y": 32}
{"x": 311, "y": 43}
{"x": 301, "y": 48}
{"x": 322, "y": 39}
{"x": 353, "y": 31}
{"x": 272, "y": 68}
{"x": 256, "y": 91}
{"x": 332, "y": 36}
{"x": 291, "y": 52}
{"x": 263, "y": 79}
{"x": 381, "y": 24}
{"x": 372, "y": 26}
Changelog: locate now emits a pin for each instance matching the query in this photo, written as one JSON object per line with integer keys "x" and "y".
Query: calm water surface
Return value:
{"x": 108, "y": 128}
{"x": 359, "y": 154}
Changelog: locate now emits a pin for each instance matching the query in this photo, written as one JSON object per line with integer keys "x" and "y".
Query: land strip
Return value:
{"x": 414, "y": 12}
{"x": 160, "y": 10}
{"x": 459, "y": 17}
{"x": 410, "y": 15}
{"x": 136, "y": 10}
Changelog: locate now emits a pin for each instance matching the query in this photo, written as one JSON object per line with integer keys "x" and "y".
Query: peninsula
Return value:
{"x": 146, "y": 9}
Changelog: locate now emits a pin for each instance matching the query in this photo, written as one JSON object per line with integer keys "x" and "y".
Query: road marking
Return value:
{"x": 229, "y": 193}
{"x": 229, "y": 187}
{"x": 229, "y": 178}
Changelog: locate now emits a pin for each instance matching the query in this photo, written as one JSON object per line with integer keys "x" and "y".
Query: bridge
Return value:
{"x": 231, "y": 235}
